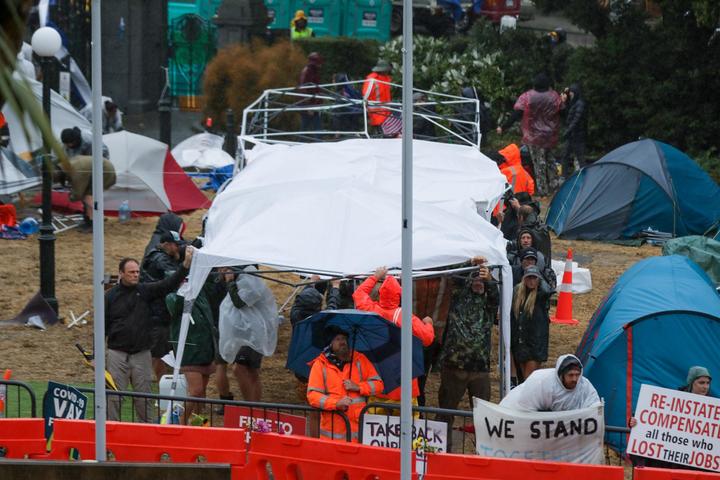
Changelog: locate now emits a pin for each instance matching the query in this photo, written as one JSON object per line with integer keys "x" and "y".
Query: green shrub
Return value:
{"x": 353, "y": 56}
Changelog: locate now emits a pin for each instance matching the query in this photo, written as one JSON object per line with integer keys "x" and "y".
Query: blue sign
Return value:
{"x": 62, "y": 401}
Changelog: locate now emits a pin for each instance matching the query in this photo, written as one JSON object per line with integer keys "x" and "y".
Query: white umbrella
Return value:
{"x": 203, "y": 150}
{"x": 148, "y": 177}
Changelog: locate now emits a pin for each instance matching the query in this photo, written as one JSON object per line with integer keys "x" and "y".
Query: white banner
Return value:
{"x": 677, "y": 427}
{"x": 574, "y": 436}
{"x": 384, "y": 431}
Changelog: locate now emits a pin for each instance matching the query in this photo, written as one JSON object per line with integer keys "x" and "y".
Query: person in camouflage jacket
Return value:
{"x": 465, "y": 358}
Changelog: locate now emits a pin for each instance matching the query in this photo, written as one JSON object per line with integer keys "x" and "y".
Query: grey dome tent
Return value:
{"x": 643, "y": 184}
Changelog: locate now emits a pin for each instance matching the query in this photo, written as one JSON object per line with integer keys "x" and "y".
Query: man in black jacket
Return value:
{"x": 127, "y": 328}
{"x": 575, "y": 129}
{"x": 160, "y": 263}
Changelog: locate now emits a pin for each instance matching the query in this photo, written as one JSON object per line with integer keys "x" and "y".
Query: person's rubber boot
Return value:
{"x": 86, "y": 226}
{"x": 220, "y": 410}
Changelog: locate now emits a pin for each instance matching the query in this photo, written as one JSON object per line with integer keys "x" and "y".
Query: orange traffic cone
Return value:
{"x": 563, "y": 313}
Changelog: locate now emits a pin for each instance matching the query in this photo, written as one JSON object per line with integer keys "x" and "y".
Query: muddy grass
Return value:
{"x": 51, "y": 355}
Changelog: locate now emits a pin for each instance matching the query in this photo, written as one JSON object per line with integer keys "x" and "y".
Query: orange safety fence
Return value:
{"x": 22, "y": 437}
{"x": 647, "y": 473}
{"x": 292, "y": 457}
{"x": 139, "y": 442}
{"x": 462, "y": 467}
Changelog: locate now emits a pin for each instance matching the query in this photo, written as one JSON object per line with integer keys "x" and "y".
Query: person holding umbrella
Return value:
{"x": 341, "y": 379}
{"x": 388, "y": 307}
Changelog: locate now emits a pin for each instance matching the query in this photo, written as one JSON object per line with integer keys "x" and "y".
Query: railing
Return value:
{"x": 15, "y": 407}
{"x": 148, "y": 407}
{"x": 460, "y": 434}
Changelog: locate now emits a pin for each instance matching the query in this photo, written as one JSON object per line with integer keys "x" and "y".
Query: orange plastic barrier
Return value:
{"x": 462, "y": 467}
{"x": 69, "y": 434}
{"x": 646, "y": 473}
{"x": 292, "y": 457}
{"x": 139, "y": 442}
{"x": 22, "y": 437}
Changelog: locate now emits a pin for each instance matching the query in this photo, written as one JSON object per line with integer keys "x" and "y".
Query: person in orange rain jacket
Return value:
{"x": 341, "y": 380}
{"x": 510, "y": 164}
{"x": 518, "y": 178}
{"x": 388, "y": 307}
{"x": 374, "y": 90}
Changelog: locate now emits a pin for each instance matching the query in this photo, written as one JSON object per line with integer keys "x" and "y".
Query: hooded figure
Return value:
{"x": 575, "y": 129}
{"x": 388, "y": 307}
{"x": 168, "y": 222}
{"x": 548, "y": 389}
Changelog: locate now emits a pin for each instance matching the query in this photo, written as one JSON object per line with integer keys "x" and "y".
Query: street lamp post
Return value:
{"x": 45, "y": 43}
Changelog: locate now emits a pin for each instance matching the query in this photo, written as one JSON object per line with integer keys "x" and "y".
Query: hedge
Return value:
{"x": 353, "y": 56}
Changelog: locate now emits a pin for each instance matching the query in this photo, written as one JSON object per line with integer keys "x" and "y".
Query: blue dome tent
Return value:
{"x": 644, "y": 184}
{"x": 661, "y": 317}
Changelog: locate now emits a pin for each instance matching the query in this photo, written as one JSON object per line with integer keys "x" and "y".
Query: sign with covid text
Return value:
{"x": 62, "y": 401}
{"x": 246, "y": 417}
{"x": 574, "y": 436}
{"x": 677, "y": 427}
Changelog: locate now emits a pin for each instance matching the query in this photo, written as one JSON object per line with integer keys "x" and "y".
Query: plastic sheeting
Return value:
{"x": 581, "y": 277}
{"x": 442, "y": 172}
{"x": 203, "y": 151}
{"x": 255, "y": 325}
{"x": 701, "y": 250}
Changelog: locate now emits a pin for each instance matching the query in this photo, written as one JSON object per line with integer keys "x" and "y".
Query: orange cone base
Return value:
{"x": 564, "y": 321}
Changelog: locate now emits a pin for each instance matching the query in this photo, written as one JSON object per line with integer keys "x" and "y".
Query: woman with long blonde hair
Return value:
{"x": 530, "y": 322}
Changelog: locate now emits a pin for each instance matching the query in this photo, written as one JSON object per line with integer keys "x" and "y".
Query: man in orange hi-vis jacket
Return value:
{"x": 341, "y": 380}
{"x": 388, "y": 307}
{"x": 376, "y": 88}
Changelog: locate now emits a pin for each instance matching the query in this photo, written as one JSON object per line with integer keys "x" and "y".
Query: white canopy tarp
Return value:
{"x": 203, "y": 150}
{"x": 336, "y": 209}
{"x": 441, "y": 172}
{"x": 62, "y": 116}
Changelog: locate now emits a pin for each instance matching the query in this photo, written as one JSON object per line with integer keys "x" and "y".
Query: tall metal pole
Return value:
{"x": 406, "y": 418}
{"x": 98, "y": 236}
{"x": 47, "y": 232}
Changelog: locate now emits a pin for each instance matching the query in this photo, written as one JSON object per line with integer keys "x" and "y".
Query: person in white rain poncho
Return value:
{"x": 248, "y": 327}
{"x": 554, "y": 389}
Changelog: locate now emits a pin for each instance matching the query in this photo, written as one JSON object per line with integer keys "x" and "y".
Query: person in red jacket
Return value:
{"x": 388, "y": 307}
{"x": 341, "y": 380}
{"x": 376, "y": 88}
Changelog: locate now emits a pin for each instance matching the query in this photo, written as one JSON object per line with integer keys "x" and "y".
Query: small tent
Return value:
{"x": 641, "y": 185}
{"x": 661, "y": 317}
{"x": 147, "y": 177}
{"x": 16, "y": 174}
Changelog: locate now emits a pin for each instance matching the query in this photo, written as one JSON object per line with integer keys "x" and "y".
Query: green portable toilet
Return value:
{"x": 325, "y": 17}
{"x": 205, "y": 8}
{"x": 280, "y": 13}
{"x": 368, "y": 19}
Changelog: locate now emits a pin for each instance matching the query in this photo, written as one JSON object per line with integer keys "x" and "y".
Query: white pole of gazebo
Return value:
{"x": 406, "y": 416}
{"x": 98, "y": 236}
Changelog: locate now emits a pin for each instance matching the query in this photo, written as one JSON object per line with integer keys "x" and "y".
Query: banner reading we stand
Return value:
{"x": 677, "y": 427}
{"x": 574, "y": 436}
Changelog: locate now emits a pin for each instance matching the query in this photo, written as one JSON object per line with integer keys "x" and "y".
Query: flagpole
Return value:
{"x": 406, "y": 417}
{"x": 98, "y": 236}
